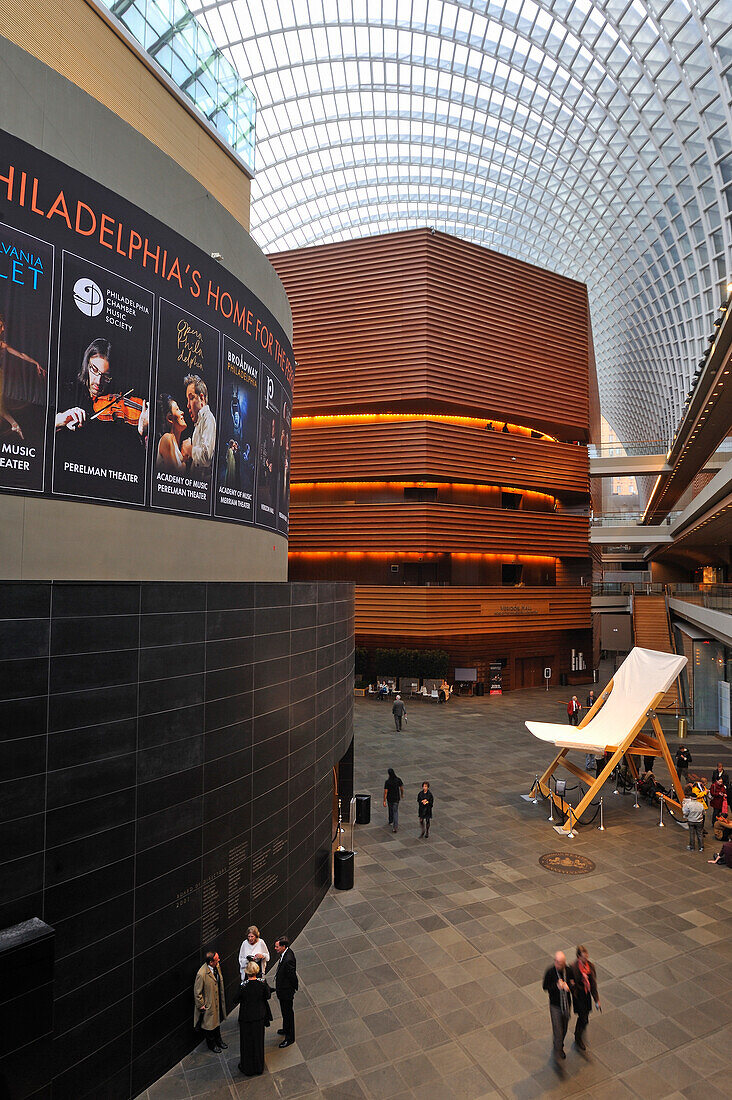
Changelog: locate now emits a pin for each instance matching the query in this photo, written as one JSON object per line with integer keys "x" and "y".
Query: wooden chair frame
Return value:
{"x": 635, "y": 743}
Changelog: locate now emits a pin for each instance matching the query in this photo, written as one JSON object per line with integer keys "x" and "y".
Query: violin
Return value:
{"x": 118, "y": 406}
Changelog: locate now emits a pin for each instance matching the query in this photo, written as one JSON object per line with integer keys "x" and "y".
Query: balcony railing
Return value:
{"x": 717, "y": 597}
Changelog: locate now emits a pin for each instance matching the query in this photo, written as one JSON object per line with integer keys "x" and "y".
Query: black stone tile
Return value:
{"x": 23, "y": 678}
{"x": 171, "y": 694}
{"x": 84, "y": 819}
{"x": 104, "y": 741}
{"x": 181, "y": 660}
{"x": 228, "y": 712}
{"x": 70, "y": 786}
{"x": 230, "y": 739}
{"x": 271, "y": 724}
{"x": 156, "y": 861}
{"x": 228, "y": 769}
{"x": 169, "y": 726}
{"x": 229, "y": 652}
{"x": 266, "y": 752}
{"x": 229, "y": 624}
{"x": 21, "y": 836}
{"x": 88, "y": 708}
{"x": 272, "y": 620}
{"x": 94, "y": 634}
{"x": 81, "y": 930}
{"x": 88, "y": 671}
{"x": 22, "y": 718}
{"x": 270, "y": 647}
{"x": 89, "y": 998}
{"x": 23, "y": 757}
{"x": 81, "y": 894}
{"x": 223, "y": 596}
{"x": 272, "y": 697}
{"x": 23, "y": 638}
{"x": 228, "y": 681}
{"x": 180, "y": 883}
{"x": 163, "y": 598}
{"x": 161, "y": 794}
{"x": 169, "y": 760}
{"x": 225, "y": 798}
{"x": 271, "y": 594}
{"x": 166, "y": 825}
{"x": 172, "y": 628}
{"x": 25, "y": 600}
{"x": 22, "y": 797}
{"x": 94, "y": 599}
{"x": 80, "y": 856}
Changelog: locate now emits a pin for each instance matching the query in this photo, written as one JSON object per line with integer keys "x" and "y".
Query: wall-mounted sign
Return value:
{"x": 134, "y": 369}
{"x": 514, "y": 609}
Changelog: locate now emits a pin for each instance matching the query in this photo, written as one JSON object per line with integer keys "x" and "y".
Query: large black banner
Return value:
{"x": 134, "y": 369}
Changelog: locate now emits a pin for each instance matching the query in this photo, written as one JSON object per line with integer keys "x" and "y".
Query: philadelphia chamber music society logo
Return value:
{"x": 88, "y": 297}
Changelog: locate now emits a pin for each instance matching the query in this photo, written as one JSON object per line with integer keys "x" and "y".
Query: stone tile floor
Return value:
{"x": 426, "y": 978}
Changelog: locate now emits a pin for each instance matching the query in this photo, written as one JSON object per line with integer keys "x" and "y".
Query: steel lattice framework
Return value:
{"x": 591, "y": 137}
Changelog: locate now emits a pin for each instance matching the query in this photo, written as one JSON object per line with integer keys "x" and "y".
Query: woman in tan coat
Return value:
{"x": 209, "y": 1002}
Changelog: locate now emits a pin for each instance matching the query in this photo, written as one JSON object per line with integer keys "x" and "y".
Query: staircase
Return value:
{"x": 652, "y": 630}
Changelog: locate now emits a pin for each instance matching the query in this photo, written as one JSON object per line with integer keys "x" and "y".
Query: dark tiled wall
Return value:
{"x": 166, "y": 761}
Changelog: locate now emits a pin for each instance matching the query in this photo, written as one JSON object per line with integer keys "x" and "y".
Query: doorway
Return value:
{"x": 530, "y": 671}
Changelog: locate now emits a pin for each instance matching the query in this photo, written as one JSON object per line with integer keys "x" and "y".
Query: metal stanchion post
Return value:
{"x": 340, "y": 829}
{"x": 601, "y": 826}
{"x": 535, "y": 800}
{"x": 661, "y": 823}
{"x": 615, "y": 777}
{"x": 551, "y": 801}
{"x": 635, "y": 804}
{"x": 570, "y": 834}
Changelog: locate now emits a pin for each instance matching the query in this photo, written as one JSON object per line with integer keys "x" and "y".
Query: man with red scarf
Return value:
{"x": 583, "y": 984}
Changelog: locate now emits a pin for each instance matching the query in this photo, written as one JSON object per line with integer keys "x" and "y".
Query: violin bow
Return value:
{"x": 117, "y": 397}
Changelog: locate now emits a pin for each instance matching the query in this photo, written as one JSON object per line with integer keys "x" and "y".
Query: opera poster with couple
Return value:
{"x": 101, "y": 421}
{"x": 26, "y": 284}
{"x": 238, "y": 421}
{"x": 186, "y": 412}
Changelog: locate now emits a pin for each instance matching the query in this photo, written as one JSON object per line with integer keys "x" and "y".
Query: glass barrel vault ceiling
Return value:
{"x": 592, "y": 138}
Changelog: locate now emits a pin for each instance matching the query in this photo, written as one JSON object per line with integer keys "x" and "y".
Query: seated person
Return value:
{"x": 647, "y": 785}
{"x": 724, "y": 855}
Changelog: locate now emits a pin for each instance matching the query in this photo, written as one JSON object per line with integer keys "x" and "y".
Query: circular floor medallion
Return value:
{"x": 567, "y": 863}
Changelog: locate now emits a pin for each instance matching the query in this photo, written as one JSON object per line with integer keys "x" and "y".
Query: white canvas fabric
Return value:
{"x": 643, "y": 673}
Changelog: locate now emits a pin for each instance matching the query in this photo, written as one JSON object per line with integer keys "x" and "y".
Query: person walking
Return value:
{"x": 286, "y": 986}
{"x": 425, "y": 802}
{"x": 254, "y": 1015}
{"x": 583, "y": 985}
{"x": 399, "y": 711}
{"x": 393, "y": 793}
{"x": 574, "y": 709}
{"x": 209, "y": 1002}
{"x": 590, "y": 698}
{"x": 693, "y": 811}
{"x": 683, "y": 760}
{"x": 556, "y": 984}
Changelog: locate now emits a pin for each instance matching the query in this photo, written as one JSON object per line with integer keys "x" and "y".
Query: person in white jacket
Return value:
{"x": 254, "y": 949}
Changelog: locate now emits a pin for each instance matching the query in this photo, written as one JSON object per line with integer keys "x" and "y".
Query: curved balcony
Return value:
{"x": 435, "y": 527}
{"x": 426, "y": 613}
{"x": 435, "y": 451}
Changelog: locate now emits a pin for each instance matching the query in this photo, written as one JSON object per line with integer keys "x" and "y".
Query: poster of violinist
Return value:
{"x": 26, "y": 281}
{"x": 186, "y": 396}
{"x": 101, "y": 422}
{"x": 268, "y": 480}
{"x": 238, "y": 419}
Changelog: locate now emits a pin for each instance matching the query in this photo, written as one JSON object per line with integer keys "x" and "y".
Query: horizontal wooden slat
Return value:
{"x": 426, "y": 321}
{"x": 429, "y": 450}
{"x": 435, "y": 527}
{"x": 426, "y": 613}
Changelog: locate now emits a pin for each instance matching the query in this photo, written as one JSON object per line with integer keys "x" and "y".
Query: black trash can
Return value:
{"x": 343, "y": 864}
{"x": 479, "y": 688}
{"x": 563, "y": 679}
{"x": 363, "y": 809}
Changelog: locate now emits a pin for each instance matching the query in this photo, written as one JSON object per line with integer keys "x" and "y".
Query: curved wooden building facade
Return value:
{"x": 443, "y": 403}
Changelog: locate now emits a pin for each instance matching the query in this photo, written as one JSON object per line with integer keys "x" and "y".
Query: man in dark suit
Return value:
{"x": 286, "y": 986}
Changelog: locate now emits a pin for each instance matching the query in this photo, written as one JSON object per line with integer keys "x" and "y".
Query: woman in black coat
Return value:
{"x": 254, "y": 1015}
{"x": 424, "y": 808}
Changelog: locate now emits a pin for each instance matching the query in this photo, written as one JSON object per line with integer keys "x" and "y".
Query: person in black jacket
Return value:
{"x": 683, "y": 761}
{"x": 286, "y": 986}
{"x": 425, "y": 801}
{"x": 556, "y": 984}
{"x": 583, "y": 984}
{"x": 254, "y": 1016}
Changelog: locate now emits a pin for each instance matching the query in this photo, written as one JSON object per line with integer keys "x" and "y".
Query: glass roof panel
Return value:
{"x": 592, "y": 137}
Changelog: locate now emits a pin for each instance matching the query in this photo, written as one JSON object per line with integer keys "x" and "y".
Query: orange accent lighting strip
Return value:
{"x": 307, "y": 486}
{"x": 363, "y": 418}
{"x": 386, "y": 554}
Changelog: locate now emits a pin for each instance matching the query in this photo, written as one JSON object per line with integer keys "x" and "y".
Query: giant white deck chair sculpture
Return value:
{"x": 615, "y": 724}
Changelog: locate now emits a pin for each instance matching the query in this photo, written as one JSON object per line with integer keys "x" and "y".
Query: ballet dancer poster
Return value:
{"x": 238, "y": 420}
